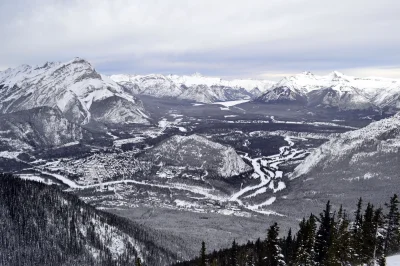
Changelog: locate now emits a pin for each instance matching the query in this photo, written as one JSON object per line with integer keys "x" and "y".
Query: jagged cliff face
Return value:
{"x": 197, "y": 152}
{"x": 37, "y": 128}
{"x": 73, "y": 87}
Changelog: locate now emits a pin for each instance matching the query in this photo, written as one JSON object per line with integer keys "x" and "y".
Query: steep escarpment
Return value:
{"x": 40, "y": 225}
{"x": 197, "y": 152}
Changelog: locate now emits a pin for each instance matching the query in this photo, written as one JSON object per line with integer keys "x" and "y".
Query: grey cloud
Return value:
{"x": 228, "y": 38}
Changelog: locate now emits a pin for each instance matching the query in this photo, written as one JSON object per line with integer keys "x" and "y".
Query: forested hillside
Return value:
{"x": 41, "y": 225}
{"x": 328, "y": 239}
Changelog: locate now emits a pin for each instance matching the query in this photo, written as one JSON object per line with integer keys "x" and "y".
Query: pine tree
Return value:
{"x": 203, "y": 254}
{"x": 343, "y": 239}
{"x": 234, "y": 256}
{"x": 392, "y": 238}
{"x": 356, "y": 235}
{"x": 288, "y": 247}
{"x": 380, "y": 232}
{"x": 323, "y": 240}
{"x": 368, "y": 231}
{"x": 305, "y": 240}
{"x": 273, "y": 250}
{"x": 259, "y": 249}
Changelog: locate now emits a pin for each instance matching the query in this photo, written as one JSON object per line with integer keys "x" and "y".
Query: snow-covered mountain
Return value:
{"x": 50, "y": 227}
{"x": 361, "y": 163}
{"x": 198, "y": 153}
{"x": 336, "y": 90}
{"x": 40, "y": 127}
{"x": 74, "y": 87}
{"x": 195, "y": 87}
{"x": 381, "y": 137}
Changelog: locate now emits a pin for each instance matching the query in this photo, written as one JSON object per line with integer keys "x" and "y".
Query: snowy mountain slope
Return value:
{"x": 336, "y": 90}
{"x": 72, "y": 87}
{"x": 340, "y": 96}
{"x": 361, "y": 163}
{"x": 198, "y": 79}
{"x": 44, "y": 226}
{"x": 382, "y": 137}
{"x": 195, "y": 87}
{"x": 283, "y": 94}
{"x": 40, "y": 127}
{"x": 197, "y": 152}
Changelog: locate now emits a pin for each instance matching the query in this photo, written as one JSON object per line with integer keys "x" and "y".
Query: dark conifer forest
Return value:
{"x": 327, "y": 239}
{"x": 41, "y": 225}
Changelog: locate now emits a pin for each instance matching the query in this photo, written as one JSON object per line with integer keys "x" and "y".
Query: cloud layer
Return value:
{"x": 221, "y": 38}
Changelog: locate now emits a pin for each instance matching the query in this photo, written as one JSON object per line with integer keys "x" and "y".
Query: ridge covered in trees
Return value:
{"x": 327, "y": 239}
{"x": 41, "y": 225}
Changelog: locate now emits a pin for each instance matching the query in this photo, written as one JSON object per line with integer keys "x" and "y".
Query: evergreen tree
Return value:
{"x": 259, "y": 249}
{"x": 304, "y": 254}
{"x": 273, "y": 251}
{"x": 356, "y": 235}
{"x": 234, "y": 256}
{"x": 288, "y": 247}
{"x": 323, "y": 238}
{"x": 392, "y": 238}
{"x": 203, "y": 254}
{"x": 343, "y": 238}
{"x": 380, "y": 232}
{"x": 368, "y": 232}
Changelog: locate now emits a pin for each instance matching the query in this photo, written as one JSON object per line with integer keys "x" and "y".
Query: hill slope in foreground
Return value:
{"x": 40, "y": 225}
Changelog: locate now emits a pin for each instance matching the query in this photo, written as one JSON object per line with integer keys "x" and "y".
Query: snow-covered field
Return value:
{"x": 231, "y": 103}
{"x": 393, "y": 260}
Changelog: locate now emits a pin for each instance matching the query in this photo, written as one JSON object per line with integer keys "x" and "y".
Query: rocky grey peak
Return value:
{"x": 354, "y": 146}
{"x": 337, "y": 90}
{"x": 72, "y": 87}
{"x": 361, "y": 163}
{"x": 198, "y": 152}
{"x": 37, "y": 128}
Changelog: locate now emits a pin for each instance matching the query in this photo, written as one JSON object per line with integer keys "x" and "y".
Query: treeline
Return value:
{"x": 327, "y": 239}
{"x": 41, "y": 225}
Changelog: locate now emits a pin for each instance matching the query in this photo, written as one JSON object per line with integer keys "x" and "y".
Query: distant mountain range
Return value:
{"x": 84, "y": 95}
{"x": 334, "y": 90}
{"x": 195, "y": 87}
{"x": 56, "y": 103}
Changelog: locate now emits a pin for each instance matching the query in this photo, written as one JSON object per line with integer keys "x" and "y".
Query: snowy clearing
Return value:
{"x": 393, "y": 260}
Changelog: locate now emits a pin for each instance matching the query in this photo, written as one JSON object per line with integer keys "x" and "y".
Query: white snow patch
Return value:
{"x": 393, "y": 260}
{"x": 231, "y": 103}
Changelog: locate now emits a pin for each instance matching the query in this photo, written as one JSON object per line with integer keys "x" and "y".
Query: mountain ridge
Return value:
{"x": 72, "y": 87}
{"x": 336, "y": 90}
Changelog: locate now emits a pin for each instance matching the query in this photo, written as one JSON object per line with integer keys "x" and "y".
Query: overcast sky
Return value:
{"x": 229, "y": 38}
